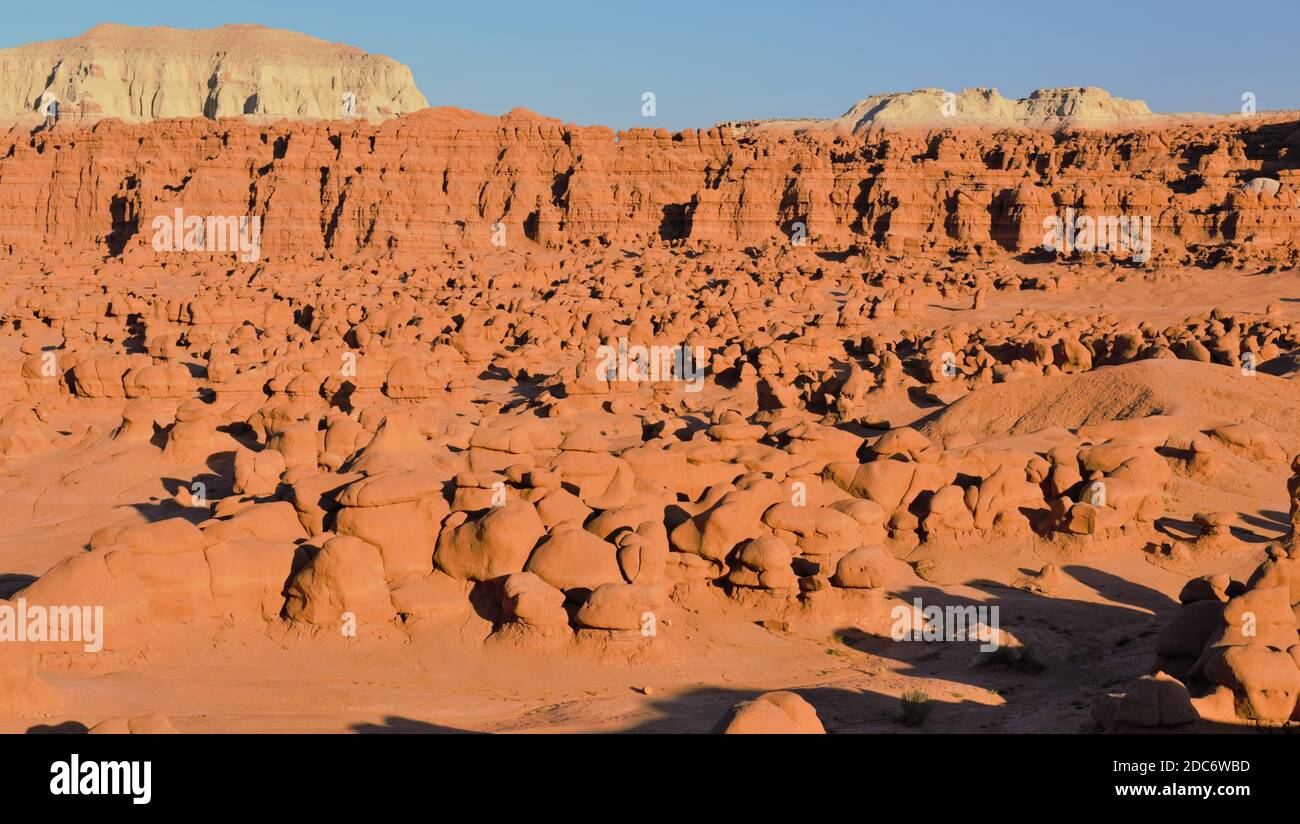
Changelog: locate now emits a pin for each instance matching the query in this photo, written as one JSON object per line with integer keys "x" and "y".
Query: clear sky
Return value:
{"x": 590, "y": 62}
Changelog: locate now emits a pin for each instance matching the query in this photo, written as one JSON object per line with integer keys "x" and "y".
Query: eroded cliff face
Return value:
{"x": 1082, "y": 106}
{"x": 443, "y": 178}
{"x": 142, "y": 74}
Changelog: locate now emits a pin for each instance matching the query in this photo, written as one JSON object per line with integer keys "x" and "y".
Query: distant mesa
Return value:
{"x": 146, "y": 73}
{"x": 979, "y": 107}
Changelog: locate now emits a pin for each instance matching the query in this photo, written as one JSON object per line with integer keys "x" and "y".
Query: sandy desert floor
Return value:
{"x": 463, "y": 628}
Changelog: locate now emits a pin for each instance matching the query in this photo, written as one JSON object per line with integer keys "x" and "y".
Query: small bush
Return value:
{"x": 916, "y": 707}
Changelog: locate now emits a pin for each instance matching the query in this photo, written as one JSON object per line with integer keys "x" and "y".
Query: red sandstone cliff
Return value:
{"x": 443, "y": 177}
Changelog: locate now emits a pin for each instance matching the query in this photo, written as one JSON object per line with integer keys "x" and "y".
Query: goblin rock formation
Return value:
{"x": 491, "y": 389}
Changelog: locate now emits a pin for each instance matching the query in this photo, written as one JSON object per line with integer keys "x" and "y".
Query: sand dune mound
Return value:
{"x": 141, "y": 74}
{"x": 1202, "y": 393}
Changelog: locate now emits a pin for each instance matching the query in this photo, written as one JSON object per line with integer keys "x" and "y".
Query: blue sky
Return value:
{"x": 589, "y": 62}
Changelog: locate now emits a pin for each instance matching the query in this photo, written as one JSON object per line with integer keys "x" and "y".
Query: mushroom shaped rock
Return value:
{"x": 139, "y": 418}
{"x": 773, "y": 713}
{"x": 643, "y": 554}
{"x": 948, "y": 512}
{"x": 714, "y": 533}
{"x": 834, "y": 533}
{"x": 315, "y": 495}
{"x": 904, "y": 441}
{"x": 273, "y": 521}
{"x": 526, "y": 598}
{"x": 258, "y": 473}
{"x": 166, "y": 537}
{"x": 1001, "y": 495}
{"x": 1251, "y": 439}
{"x": 346, "y": 575}
{"x": 1155, "y": 702}
{"x": 497, "y": 543}
{"x": 866, "y": 568}
{"x": 1046, "y": 581}
{"x": 869, "y": 515}
{"x": 249, "y": 576}
{"x": 763, "y": 563}
{"x": 492, "y": 450}
{"x": 398, "y": 443}
{"x": 1265, "y": 680}
{"x": 475, "y": 491}
{"x": 398, "y": 511}
{"x": 575, "y": 560}
{"x": 621, "y": 607}
{"x": 558, "y": 506}
{"x": 1261, "y": 614}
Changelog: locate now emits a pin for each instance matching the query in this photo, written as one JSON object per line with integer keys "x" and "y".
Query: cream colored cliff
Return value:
{"x": 1046, "y": 108}
{"x": 1042, "y": 108}
{"x": 141, "y": 74}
